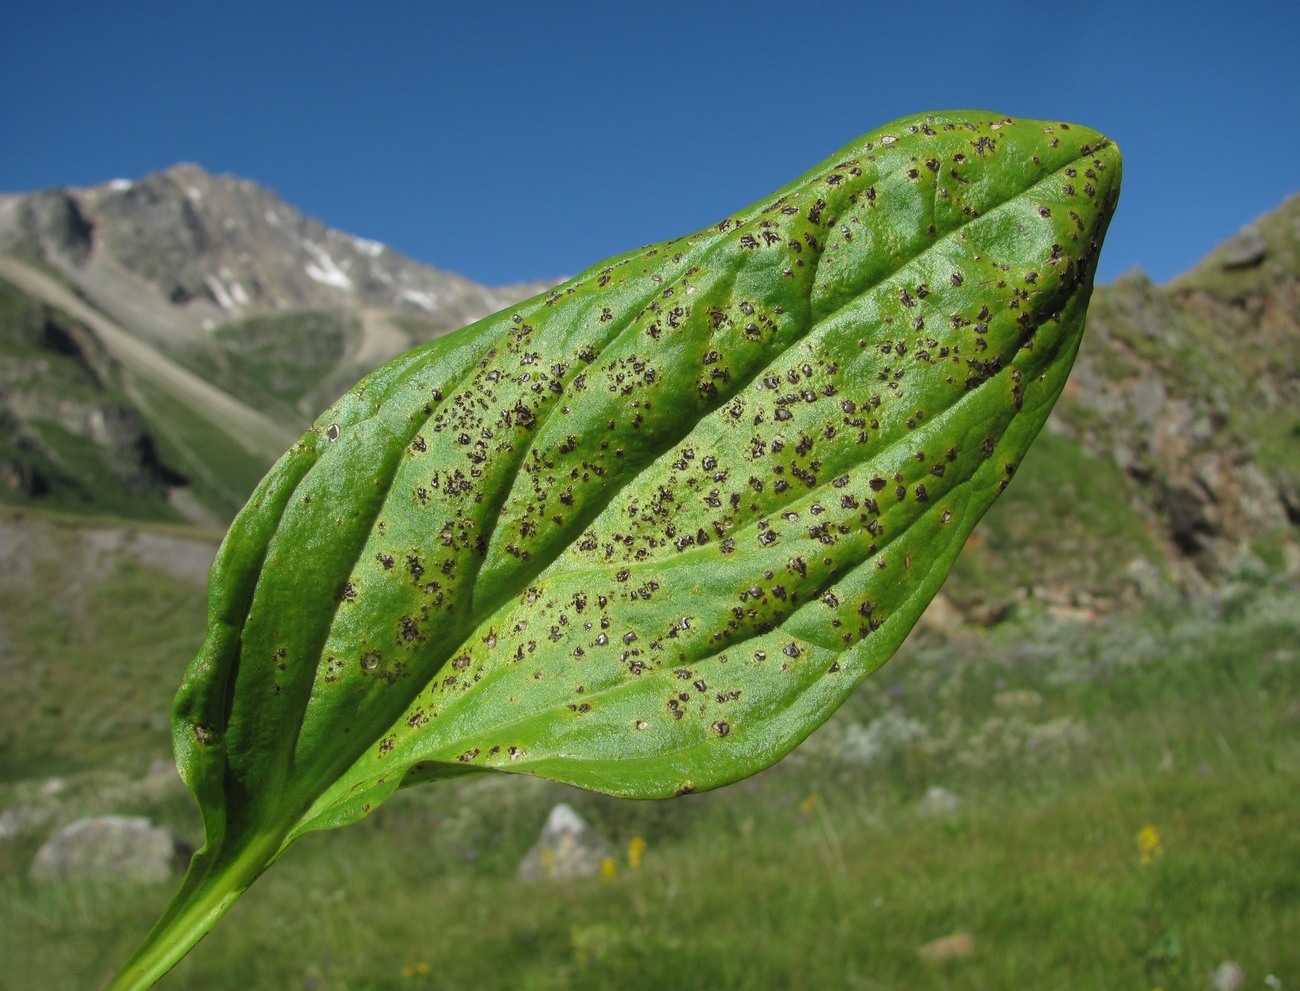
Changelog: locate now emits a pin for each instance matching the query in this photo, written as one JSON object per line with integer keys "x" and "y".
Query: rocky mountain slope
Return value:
{"x": 1193, "y": 391}
{"x": 1173, "y": 458}
{"x": 162, "y": 341}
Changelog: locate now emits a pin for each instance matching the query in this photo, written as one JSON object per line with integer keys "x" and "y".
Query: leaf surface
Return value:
{"x": 646, "y": 531}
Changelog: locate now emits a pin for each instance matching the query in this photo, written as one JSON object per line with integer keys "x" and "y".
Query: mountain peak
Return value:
{"x": 220, "y": 247}
{"x": 202, "y": 318}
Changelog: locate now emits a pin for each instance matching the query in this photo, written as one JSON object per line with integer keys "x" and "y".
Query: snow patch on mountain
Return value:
{"x": 226, "y": 290}
{"x": 425, "y": 300}
{"x": 371, "y": 249}
{"x": 325, "y": 270}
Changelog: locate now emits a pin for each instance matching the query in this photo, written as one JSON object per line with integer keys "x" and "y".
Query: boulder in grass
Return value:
{"x": 114, "y": 849}
{"x": 939, "y": 802}
{"x": 1228, "y": 977}
{"x": 567, "y": 847}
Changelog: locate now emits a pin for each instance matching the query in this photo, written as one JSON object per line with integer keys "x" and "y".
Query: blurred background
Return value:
{"x": 1080, "y": 771}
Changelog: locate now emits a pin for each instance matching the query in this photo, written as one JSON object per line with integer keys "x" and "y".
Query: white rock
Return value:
{"x": 940, "y": 802}
{"x": 567, "y": 847}
{"x": 1228, "y": 977}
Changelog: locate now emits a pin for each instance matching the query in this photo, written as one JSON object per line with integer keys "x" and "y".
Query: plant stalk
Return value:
{"x": 212, "y": 884}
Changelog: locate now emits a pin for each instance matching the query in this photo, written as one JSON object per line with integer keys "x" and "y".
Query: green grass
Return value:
{"x": 757, "y": 893}
{"x": 80, "y": 478}
{"x": 283, "y": 364}
{"x": 94, "y": 648}
{"x": 1062, "y": 739}
{"x": 1065, "y": 521}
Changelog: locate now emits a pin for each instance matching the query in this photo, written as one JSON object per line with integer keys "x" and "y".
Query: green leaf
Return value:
{"x": 644, "y": 533}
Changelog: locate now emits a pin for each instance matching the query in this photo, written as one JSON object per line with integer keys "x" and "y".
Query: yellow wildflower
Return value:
{"x": 608, "y": 868}
{"x": 809, "y": 803}
{"x": 1149, "y": 846}
{"x": 635, "y": 850}
{"x": 415, "y": 970}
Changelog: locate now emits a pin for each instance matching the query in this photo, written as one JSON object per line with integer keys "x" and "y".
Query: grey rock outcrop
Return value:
{"x": 115, "y": 849}
{"x": 1190, "y": 390}
{"x": 1244, "y": 249}
{"x": 54, "y": 220}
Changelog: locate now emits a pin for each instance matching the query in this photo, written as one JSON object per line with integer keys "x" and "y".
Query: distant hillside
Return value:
{"x": 162, "y": 341}
{"x": 1193, "y": 389}
{"x": 1174, "y": 453}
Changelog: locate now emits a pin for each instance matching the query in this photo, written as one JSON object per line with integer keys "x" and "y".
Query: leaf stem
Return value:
{"x": 212, "y": 884}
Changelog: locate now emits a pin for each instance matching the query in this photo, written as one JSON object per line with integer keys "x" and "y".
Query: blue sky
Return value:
{"x": 515, "y": 141}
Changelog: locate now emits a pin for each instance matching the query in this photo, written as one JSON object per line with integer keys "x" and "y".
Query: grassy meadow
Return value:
{"x": 1127, "y": 791}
